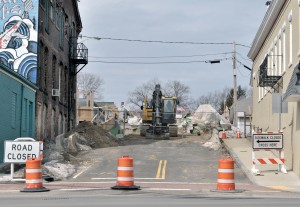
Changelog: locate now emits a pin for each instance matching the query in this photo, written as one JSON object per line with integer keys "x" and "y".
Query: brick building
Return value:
{"x": 59, "y": 57}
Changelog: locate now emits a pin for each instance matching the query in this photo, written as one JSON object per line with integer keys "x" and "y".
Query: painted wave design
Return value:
{"x": 28, "y": 68}
{"x": 6, "y": 59}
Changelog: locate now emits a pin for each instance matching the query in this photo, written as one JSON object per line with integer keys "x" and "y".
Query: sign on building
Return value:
{"x": 267, "y": 141}
{"x": 19, "y": 36}
{"x": 20, "y": 151}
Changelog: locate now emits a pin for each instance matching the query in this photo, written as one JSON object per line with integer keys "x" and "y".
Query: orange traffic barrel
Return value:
{"x": 238, "y": 134}
{"x": 33, "y": 176}
{"x": 125, "y": 174}
{"x": 223, "y": 134}
{"x": 226, "y": 174}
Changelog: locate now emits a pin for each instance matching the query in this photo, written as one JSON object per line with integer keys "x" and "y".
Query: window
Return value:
{"x": 58, "y": 14}
{"x": 62, "y": 30}
{"x": 52, "y": 10}
{"x": 47, "y": 16}
{"x": 291, "y": 39}
{"x": 275, "y": 66}
{"x": 44, "y": 121}
{"x": 54, "y": 76}
{"x": 46, "y": 57}
{"x": 283, "y": 49}
{"x": 279, "y": 55}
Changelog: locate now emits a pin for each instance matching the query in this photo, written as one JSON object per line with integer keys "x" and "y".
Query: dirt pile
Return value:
{"x": 93, "y": 136}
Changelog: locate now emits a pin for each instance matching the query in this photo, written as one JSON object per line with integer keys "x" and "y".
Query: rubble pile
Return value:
{"x": 61, "y": 157}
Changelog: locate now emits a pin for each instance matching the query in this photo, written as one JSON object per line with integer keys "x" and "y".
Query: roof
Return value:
{"x": 245, "y": 105}
{"x": 267, "y": 24}
{"x": 103, "y": 104}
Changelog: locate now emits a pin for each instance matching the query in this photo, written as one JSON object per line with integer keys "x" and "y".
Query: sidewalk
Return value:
{"x": 241, "y": 151}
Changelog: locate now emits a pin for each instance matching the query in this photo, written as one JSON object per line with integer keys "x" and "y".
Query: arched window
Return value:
{"x": 54, "y": 73}
{"x": 45, "y": 68}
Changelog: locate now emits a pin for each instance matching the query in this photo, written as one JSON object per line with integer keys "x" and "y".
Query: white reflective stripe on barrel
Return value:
{"x": 225, "y": 181}
{"x": 34, "y": 181}
{"x": 125, "y": 179}
{"x": 226, "y": 170}
{"x": 33, "y": 170}
{"x": 125, "y": 168}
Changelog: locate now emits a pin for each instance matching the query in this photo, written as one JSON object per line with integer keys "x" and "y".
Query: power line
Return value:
{"x": 241, "y": 56}
{"x": 158, "y": 57}
{"x": 156, "y": 63}
{"x": 164, "y": 42}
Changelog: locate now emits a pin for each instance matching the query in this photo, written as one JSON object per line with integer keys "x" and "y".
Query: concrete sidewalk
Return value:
{"x": 241, "y": 151}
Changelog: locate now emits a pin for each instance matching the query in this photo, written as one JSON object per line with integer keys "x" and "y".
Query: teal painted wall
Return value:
{"x": 17, "y": 108}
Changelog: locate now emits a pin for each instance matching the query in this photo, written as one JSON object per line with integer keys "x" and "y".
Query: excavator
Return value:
{"x": 159, "y": 118}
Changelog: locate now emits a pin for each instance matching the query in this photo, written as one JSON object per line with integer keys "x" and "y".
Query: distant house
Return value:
{"x": 244, "y": 115}
{"x": 17, "y": 114}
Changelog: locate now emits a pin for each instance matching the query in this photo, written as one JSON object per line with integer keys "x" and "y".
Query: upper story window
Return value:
{"x": 52, "y": 10}
{"x": 291, "y": 38}
{"x": 47, "y": 9}
{"x": 62, "y": 29}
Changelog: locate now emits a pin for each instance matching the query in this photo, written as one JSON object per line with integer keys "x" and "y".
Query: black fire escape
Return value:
{"x": 265, "y": 79}
{"x": 79, "y": 56}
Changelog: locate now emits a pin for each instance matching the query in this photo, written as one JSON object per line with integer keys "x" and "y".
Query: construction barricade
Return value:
{"x": 34, "y": 181}
{"x": 125, "y": 174}
{"x": 264, "y": 142}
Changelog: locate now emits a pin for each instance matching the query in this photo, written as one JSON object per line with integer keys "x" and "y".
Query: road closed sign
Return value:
{"x": 267, "y": 141}
{"x": 20, "y": 151}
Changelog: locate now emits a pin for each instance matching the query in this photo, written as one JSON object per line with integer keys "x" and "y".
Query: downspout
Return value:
{"x": 21, "y": 118}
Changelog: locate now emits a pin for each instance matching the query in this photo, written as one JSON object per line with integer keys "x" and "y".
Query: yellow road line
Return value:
{"x": 158, "y": 170}
{"x": 161, "y": 170}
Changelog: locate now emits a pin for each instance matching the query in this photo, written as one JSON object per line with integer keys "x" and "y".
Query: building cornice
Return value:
{"x": 265, "y": 27}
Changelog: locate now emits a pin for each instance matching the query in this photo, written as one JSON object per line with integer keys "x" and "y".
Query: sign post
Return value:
{"x": 20, "y": 150}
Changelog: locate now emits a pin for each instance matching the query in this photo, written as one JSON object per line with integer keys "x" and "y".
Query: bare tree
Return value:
{"x": 177, "y": 89}
{"x": 136, "y": 97}
{"x": 171, "y": 88}
{"x": 87, "y": 82}
{"x": 215, "y": 98}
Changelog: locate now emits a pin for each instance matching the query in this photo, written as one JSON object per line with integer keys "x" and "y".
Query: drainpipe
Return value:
{"x": 21, "y": 117}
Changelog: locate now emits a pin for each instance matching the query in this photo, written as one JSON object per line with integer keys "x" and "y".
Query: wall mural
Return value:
{"x": 19, "y": 36}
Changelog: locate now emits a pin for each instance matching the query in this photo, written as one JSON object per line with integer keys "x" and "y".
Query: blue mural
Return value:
{"x": 19, "y": 36}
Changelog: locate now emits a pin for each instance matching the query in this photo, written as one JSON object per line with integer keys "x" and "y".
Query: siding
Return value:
{"x": 17, "y": 106}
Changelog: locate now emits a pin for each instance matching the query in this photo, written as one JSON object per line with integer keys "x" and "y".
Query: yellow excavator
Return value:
{"x": 159, "y": 118}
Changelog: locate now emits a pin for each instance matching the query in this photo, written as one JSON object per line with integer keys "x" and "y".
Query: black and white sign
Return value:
{"x": 20, "y": 151}
{"x": 267, "y": 141}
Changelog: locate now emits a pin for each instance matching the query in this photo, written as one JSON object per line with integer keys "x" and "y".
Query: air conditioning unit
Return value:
{"x": 55, "y": 92}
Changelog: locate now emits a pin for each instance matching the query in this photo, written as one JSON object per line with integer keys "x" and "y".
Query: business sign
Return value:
{"x": 267, "y": 141}
{"x": 19, "y": 36}
{"x": 20, "y": 151}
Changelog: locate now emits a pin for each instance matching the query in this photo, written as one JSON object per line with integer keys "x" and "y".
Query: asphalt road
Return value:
{"x": 178, "y": 160}
{"x": 179, "y": 172}
{"x": 140, "y": 198}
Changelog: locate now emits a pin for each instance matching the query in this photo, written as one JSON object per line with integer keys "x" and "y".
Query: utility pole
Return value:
{"x": 234, "y": 86}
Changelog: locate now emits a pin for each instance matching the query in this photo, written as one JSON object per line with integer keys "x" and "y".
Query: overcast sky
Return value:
{"x": 200, "y": 21}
